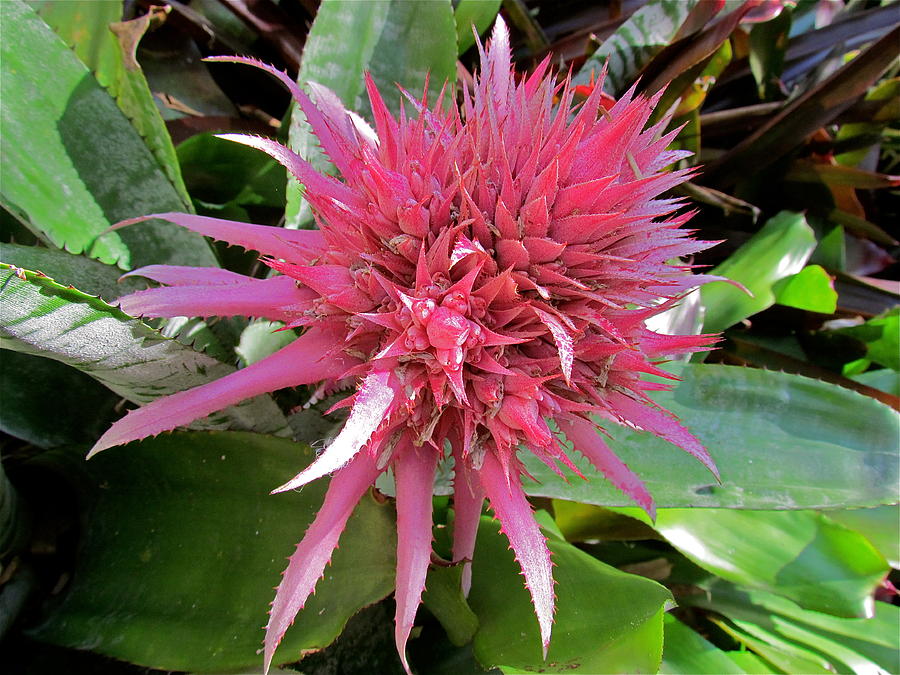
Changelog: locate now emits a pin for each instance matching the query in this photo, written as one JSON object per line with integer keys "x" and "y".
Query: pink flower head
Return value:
{"x": 476, "y": 273}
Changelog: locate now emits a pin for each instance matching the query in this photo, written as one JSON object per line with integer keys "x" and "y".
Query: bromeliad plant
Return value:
{"x": 474, "y": 276}
{"x": 490, "y": 309}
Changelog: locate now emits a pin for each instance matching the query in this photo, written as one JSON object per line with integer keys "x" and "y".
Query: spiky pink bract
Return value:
{"x": 476, "y": 273}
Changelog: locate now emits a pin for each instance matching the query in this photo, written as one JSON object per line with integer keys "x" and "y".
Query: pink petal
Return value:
{"x": 414, "y": 471}
{"x": 661, "y": 424}
{"x": 468, "y": 497}
{"x": 334, "y": 282}
{"x": 313, "y": 115}
{"x": 507, "y": 499}
{"x": 586, "y": 439}
{"x": 371, "y": 407}
{"x": 275, "y": 241}
{"x": 266, "y": 298}
{"x": 178, "y": 275}
{"x": 308, "y": 562}
{"x": 350, "y": 125}
{"x": 317, "y": 185}
{"x": 563, "y": 340}
{"x": 298, "y": 363}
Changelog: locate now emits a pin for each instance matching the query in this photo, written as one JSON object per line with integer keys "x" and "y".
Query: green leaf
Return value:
{"x": 398, "y": 42}
{"x": 43, "y": 318}
{"x": 886, "y": 380}
{"x": 88, "y": 275}
{"x": 780, "y": 249}
{"x": 776, "y": 626}
{"x": 686, "y": 652}
{"x": 783, "y": 654}
{"x": 810, "y": 289}
{"x": 800, "y": 555}
{"x": 878, "y": 525}
{"x": 581, "y": 522}
{"x": 107, "y": 46}
{"x": 768, "y": 42}
{"x": 843, "y": 446}
{"x": 184, "y": 546}
{"x": 77, "y": 165}
{"x": 262, "y": 338}
{"x": 635, "y": 42}
{"x": 749, "y": 662}
{"x": 882, "y": 338}
{"x": 444, "y": 598}
{"x": 468, "y": 13}
{"x": 30, "y": 385}
{"x": 607, "y": 621}
{"x": 221, "y": 172}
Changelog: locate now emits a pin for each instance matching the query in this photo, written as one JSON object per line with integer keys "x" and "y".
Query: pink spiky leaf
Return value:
{"x": 507, "y": 499}
{"x": 586, "y": 439}
{"x": 468, "y": 497}
{"x": 274, "y": 241}
{"x": 308, "y": 562}
{"x": 271, "y": 373}
{"x": 371, "y": 407}
{"x": 414, "y": 471}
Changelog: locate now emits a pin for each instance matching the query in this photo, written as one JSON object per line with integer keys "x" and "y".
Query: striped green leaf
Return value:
{"x": 106, "y": 45}
{"x": 636, "y": 41}
{"x": 72, "y": 163}
{"x": 781, "y": 441}
{"x": 41, "y": 317}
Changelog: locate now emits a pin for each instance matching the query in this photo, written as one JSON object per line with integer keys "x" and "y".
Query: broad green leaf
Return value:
{"x": 786, "y": 656}
{"x": 881, "y": 526}
{"x": 685, "y": 651}
{"x": 72, "y": 163}
{"x": 90, "y": 276}
{"x": 749, "y": 662}
{"x": 262, "y": 338}
{"x": 49, "y": 404}
{"x": 444, "y": 598}
{"x": 477, "y": 13}
{"x": 886, "y": 380}
{"x": 107, "y": 46}
{"x": 881, "y": 336}
{"x": 398, "y": 42}
{"x": 339, "y": 65}
{"x": 221, "y": 172}
{"x": 607, "y": 621}
{"x": 43, "y": 318}
{"x": 635, "y": 42}
{"x": 800, "y": 555}
{"x": 831, "y": 251}
{"x": 780, "y": 441}
{"x": 846, "y": 645}
{"x": 581, "y": 522}
{"x": 780, "y": 249}
{"x": 810, "y": 289}
{"x": 184, "y": 545}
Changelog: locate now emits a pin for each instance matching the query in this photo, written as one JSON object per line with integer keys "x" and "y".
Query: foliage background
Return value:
{"x": 162, "y": 555}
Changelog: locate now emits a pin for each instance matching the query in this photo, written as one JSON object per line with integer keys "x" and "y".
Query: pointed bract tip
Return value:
{"x": 500, "y": 34}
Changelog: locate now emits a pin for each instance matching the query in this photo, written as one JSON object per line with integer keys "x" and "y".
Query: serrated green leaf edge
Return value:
{"x": 40, "y": 317}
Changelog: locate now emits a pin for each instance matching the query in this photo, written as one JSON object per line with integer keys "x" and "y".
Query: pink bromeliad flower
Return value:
{"x": 475, "y": 274}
